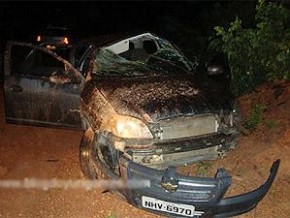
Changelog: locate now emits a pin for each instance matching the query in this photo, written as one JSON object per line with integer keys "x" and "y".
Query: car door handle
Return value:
{"x": 15, "y": 88}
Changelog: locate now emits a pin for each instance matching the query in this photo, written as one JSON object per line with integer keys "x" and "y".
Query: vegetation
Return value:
{"x": 272, "y": 124}
{"x": 255, "y": 117}
{"x": 202, "y": 168}
{"x": 111, "y": 215}
{"x": 257, "y": 53}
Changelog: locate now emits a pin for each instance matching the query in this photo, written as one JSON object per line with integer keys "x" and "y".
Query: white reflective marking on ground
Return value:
{"x": 46, "y": 184}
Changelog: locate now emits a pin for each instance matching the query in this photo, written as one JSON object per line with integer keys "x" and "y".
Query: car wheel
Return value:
{"x": 86, "y": 154}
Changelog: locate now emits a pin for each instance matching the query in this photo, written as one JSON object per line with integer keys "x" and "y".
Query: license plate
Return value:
{"x": 169, "y": 207}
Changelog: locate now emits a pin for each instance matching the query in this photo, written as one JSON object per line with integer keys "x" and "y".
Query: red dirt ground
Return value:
{"x": 53, "y": 153}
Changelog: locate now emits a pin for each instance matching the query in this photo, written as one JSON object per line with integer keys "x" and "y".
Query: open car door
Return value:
{"x": 40, "y": 87}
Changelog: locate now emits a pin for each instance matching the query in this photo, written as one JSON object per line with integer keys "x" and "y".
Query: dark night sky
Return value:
{"x": 178, "y": 21}
{"x": 22, "y": 19}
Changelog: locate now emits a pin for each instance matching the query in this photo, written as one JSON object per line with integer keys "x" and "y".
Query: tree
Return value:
{"x": 260, "y": 53}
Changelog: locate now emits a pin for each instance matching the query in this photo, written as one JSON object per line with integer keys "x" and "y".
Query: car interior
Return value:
{"x": 135, "y": 49}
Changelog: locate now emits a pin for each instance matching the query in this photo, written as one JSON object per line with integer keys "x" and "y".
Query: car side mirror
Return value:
{"x": 215, "y": 69}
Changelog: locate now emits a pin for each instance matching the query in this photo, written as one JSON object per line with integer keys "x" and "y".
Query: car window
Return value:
{"x": 33, "y": 62}
{"x": 81, "y": 52}
{"x": 145, "y": 55}
{"x": 78, "y": 53}
{"x": 64, "y": 52}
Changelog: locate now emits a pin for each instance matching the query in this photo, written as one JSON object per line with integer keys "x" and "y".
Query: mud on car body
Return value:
{"x": 40, "y": 87}
{"x": 145, "y": 109}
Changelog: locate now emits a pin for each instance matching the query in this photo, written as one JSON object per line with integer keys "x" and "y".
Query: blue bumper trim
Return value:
{"x": 205, "y": 194}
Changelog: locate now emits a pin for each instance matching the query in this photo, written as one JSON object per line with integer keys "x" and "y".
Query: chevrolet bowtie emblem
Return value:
{"x": 169, "y": 186}
{"x": 169, "y": 180}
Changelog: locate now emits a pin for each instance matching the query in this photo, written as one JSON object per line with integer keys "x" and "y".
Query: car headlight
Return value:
{"x": 127, "y": 127}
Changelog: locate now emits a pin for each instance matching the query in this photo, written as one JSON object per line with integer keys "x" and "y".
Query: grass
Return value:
{"x": 255, "y": 117}
{"x": 111, "y": 215}
{"x": 272, "y": 124}
{"x": 203, "y": 167}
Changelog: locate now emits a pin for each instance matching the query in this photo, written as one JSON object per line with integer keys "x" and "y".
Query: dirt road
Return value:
{"x": 36, "y": 152}
{"x": 53, "y": 153}
{"x": 50, "y": 153}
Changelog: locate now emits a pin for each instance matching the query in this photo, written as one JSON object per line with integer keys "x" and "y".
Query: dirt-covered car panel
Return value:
{"x": 162, "y": 96}
{"x": 40, "y": 87}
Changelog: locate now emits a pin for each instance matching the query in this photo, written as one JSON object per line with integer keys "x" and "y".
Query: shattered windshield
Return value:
{"x": 146, "y": 55}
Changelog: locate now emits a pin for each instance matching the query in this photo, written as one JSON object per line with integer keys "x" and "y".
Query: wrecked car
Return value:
{"x": 59, "y": 40}
{"x": 145, "y": 110}
{"x": 54, "y": 36}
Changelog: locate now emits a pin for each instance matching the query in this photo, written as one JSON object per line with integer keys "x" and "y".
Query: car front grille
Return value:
{"x": 188, "y": 126}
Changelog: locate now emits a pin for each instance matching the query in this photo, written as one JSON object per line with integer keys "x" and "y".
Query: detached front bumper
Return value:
{"x": 175, "y": 195}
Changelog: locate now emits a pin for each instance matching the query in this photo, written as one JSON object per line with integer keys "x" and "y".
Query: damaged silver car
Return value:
{"x": 145, "y": 109}
{"x": 145, "y": 101}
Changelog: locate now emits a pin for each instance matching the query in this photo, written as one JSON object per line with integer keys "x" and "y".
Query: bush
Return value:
{"x": 259, "y": 53}
{"x": 255, "y": 117}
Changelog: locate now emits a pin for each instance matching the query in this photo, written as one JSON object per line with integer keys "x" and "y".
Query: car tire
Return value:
{"x": 86, "y": 155}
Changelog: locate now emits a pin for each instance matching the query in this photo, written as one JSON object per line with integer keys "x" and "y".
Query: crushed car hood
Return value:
{"x": 162, "y": 96}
